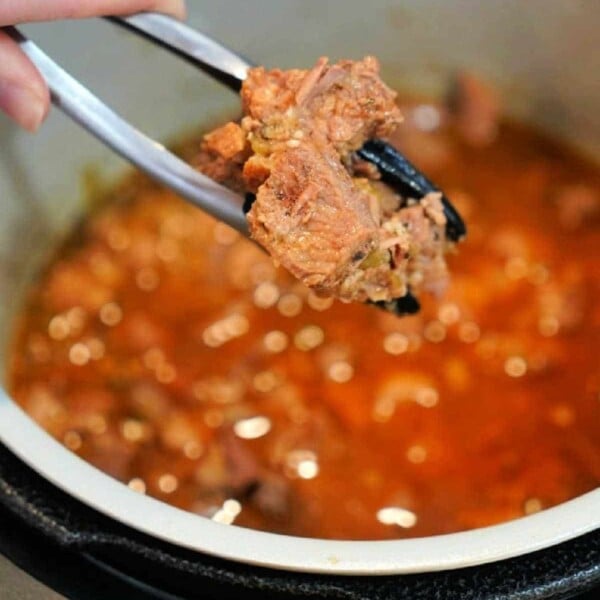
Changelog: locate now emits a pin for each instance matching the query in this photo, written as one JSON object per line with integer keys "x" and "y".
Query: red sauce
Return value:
{"x": 142, "y": 349}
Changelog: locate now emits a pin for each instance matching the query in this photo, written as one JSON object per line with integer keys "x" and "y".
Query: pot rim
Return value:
{"x": 81, "y": 480}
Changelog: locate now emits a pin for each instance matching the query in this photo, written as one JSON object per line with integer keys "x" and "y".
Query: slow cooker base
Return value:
{"x": 72, "y": 542}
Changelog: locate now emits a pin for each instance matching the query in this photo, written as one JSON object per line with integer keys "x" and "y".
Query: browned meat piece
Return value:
{"x": 410, "y": 253}
{"x": 227, "y": 141}
{"x": 223, "y": 154}
{"x": 476, "y": 108}
{"x": 312, "y": 218}
{"x": 272, "y": 497}
{"x": 256, "y": 171}
{"x": 577, "y": 205}
{"x": 425, "y": 264}
{"x": 319, "y": 212}
{"x": 242, "y": 466}
{"x": 242, "y": 476}
{"x": 346, "y": 102}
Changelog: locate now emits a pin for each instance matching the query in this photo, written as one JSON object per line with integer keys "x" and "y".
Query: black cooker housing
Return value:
{"x": 158, "y": 569}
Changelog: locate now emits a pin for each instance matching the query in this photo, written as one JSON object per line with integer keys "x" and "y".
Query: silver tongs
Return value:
{"x": 86, "y": 109}
{"x": 230, "y": 68}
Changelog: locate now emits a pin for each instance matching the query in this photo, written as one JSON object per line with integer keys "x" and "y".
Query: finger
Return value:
{"x": 13, "y": 12}
{"x": 23, "y": 93}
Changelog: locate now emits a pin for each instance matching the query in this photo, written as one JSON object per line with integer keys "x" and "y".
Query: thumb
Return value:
{"x": 24, "y": 96}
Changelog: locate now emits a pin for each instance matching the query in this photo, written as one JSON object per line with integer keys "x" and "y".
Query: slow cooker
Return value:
{"x": 540, "y": 56}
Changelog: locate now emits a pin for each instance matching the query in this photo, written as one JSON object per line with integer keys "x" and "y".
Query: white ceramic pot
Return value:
{"x": 539, "y": 53}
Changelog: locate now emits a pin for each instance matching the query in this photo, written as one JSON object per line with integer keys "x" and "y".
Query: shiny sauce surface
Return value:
{"x": 170, "y": 353}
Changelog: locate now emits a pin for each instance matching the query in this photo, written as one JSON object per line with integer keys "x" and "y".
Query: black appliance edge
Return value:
{"x": 559, "y": 572}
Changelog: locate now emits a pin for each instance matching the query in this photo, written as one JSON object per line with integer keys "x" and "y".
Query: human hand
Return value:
{"x": 24, "y": 96}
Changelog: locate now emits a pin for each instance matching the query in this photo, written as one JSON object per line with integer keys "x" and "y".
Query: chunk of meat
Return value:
{"x": 242, "y": 465}
{"x": 415, "y": 239}
{"x": 272, "y": 497}
{"x": 223, "y": 154}
{"x": 319, "y": 211}
{"x": 241, "y": 475}
{"x": 227, "y": 141}
{"x": 577, "y": 205}
{"x": 312, "y": 218}
{"x": 425, "y": 264}
{"x": 346, "y": 102}
{"x": 476, "y": 109}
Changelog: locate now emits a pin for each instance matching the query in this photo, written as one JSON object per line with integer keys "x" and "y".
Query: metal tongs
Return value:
{"x": 92, "y": 114}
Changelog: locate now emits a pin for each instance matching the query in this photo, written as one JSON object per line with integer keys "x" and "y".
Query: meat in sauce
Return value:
{"x": 169, "y": 352}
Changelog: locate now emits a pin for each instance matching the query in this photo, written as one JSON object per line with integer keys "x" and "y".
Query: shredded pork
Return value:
{"x": 319, "y": 211}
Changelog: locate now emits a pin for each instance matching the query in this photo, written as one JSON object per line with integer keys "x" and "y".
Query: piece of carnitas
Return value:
{"x": 317, "y": 209}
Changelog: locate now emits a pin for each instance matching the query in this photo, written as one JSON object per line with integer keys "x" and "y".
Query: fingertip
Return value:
{"x": 45, "y": 104}
{"x": 175, "y": 8}
{"x": 24, "y": 95}
{"x": 23, "y": 105}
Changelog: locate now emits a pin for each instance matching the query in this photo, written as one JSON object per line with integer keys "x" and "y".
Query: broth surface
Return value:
{"x": 170, "y": 353}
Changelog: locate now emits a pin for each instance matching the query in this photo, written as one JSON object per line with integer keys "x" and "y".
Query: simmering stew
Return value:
{"x": 169, "y": 352}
